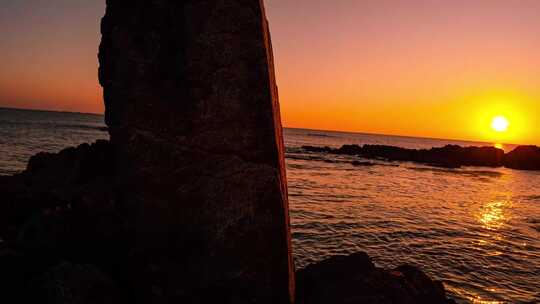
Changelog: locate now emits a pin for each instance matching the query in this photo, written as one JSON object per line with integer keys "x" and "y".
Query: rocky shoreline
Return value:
{"x": 65, "y": 239}
{"x": 450, "y": 156}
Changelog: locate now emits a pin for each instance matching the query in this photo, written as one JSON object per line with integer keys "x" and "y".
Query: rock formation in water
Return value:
{"x": 354, "y": 279}
{"x": 192, "y": 110}
{"x": 523, "y": 158}
{"x": 450, "y": 156}
{"x": 62, "y": 235}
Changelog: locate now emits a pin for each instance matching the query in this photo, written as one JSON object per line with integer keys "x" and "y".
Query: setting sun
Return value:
{"x": 500, "y": 124}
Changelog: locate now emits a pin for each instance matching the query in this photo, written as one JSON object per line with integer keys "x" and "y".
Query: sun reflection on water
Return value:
{"x": 492, "y": 215}
{"x": 479, "y": 300}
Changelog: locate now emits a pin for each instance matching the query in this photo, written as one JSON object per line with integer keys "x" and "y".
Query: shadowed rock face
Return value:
{"x": 524, "y": 158}
{"x": 192, "y": 109}
{"x": 354, "y": 279}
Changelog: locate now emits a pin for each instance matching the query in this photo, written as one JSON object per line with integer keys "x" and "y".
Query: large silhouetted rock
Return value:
{"x": 523, "y": 158}
{"x": 192, "y": 109}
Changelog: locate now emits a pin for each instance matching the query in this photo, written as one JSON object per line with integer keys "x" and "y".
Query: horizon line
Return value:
{"x": 286, "y": 127}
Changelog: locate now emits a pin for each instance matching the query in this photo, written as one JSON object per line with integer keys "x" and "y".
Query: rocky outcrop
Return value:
{"x": 192, "y": 110}
{"x": 450, "y": 156}
{"x": 523, "y": 158}
{"x": 354, "y": 279}
{"x": 73, "y": 178}
{"x": 61, "y": 210}
{"x": 77, "y": 248}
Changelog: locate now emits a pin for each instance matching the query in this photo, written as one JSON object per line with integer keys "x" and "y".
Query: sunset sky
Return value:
{"x": 441, "y": 69}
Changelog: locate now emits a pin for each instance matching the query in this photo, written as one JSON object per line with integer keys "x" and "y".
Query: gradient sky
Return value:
{"x": 411, "y": 67}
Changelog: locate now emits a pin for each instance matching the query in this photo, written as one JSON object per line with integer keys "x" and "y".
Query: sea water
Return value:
{"x": 476, "y": 229}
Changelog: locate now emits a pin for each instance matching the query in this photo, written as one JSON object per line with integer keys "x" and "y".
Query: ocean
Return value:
{"x": 475, "y": 229}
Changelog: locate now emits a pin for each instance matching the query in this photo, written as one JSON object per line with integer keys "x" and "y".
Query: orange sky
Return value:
{"x": 411, "y": 67}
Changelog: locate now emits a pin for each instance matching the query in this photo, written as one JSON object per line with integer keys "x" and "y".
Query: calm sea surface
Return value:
{"x": 476, "y": 229}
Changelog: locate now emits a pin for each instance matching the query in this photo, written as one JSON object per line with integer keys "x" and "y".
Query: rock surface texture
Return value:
{"x": 354, "y": 279}
{"x": 524, "y": 158}
{"x": 192, "y": 110}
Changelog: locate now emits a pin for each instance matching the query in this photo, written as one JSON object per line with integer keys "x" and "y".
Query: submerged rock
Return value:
{"x": 355, "y": 280}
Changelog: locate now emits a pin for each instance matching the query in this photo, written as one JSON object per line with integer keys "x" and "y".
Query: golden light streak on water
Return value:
{"x": 492, "y": 215}
{"x": 479, "y": 300}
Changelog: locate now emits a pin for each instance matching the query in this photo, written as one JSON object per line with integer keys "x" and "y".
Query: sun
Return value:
{"x": 500, "y": 124}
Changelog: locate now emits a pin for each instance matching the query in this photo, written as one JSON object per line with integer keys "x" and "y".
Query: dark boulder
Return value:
{"x": 482, "y": 156}
{"x": 421, "y": 286}
{"x": 70, "y": 167}
{"x": 348, "y": 150}
{"x": 34, "y": 278}
{"x": 355, "y": 280}
{"x": 357, "y": 163}
{"x": 523, "y": 158}
{"x": 68, "y": 283}
{"x": 453, "y": 156}
{"x": 63, "y": 207}
{"x": 53, "y": 182}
